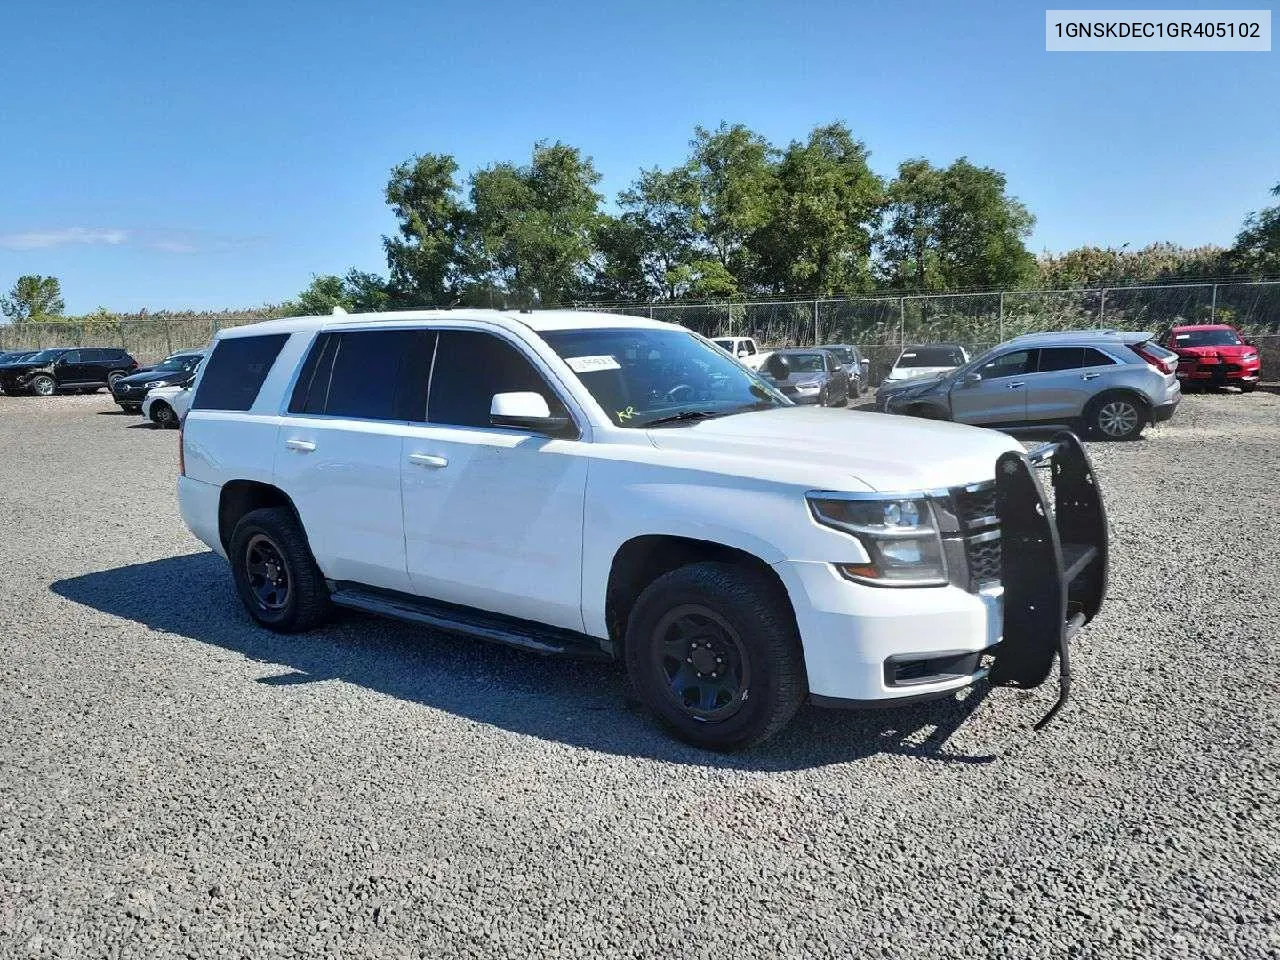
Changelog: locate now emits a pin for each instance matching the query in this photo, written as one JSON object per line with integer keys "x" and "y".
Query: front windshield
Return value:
{"x": 843, "y": 354}
{"x": 183, "y": 363}
{"x": 805, "y": 362}
{"x": 639, "y": 376}
{"x": 931, "y": 357}
{"x": 1206, "y": 338}
{"x": 44, "y": 356}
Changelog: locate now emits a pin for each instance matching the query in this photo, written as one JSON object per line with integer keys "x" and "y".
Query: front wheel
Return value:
{"x": 1248, "y": 387}
{"x": 712, "y": 650}
{"x": 1117, "y": 417}
{"x": 44, "y": 386}
{"x": 275, "y": 575}
{"x": 163, "y": 415}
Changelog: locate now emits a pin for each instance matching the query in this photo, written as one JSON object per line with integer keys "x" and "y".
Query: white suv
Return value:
{"x": 575, "y": 483}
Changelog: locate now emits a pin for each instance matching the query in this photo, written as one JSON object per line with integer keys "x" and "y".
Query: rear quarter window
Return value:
{"x": 236, "y": 371}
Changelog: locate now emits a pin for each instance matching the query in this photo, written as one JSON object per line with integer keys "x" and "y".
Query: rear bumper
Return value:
{"x": 1164, "y": 411}
{"x": 199, "y": 503}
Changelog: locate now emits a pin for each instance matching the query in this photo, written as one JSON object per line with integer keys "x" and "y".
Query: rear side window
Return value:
{"x": 1096, "y": 358}
{"x": 1061, "y": 358}
{"x": 368, "y": 374}
{"x": 469, "y": 368}
{"x": 236, "y": 371}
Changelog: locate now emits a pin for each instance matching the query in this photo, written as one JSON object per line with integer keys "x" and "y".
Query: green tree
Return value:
{"x": 648, "y": 250}
{"x": 953, "y": 228}
{"x": 1257, "y": 247}
{"x": 32, "y": 298}
{"x": 1098, "y": 266}
{"x": 425, "y": 258}
{"x": 357, "y": 292}
{"x": 533, "y": 227}
{"x": 820, "y": 238}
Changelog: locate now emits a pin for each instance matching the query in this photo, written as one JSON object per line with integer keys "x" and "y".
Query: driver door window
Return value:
{"x": 1013, "y": 364}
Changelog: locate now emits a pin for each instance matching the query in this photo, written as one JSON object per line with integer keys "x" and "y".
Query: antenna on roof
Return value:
{"x": 338, "y": 311}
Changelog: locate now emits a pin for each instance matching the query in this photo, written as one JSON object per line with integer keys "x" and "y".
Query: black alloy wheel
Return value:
{"x": 269, "y": 580}
{"x": 703, "y": 661}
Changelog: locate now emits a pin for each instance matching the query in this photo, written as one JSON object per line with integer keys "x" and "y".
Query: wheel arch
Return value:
{"x": 642, "y": 559}
{"x": 1128, "y": 393}
{"x": 239, "y": 497}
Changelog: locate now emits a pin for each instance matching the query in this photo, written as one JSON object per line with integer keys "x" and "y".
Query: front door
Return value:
{"x": 493, "y": 516}
{"x": 1000, "y": 396}
{"x": 72, "y": 368}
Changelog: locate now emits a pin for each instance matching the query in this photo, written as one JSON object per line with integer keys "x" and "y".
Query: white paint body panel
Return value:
{"x": 179, "y": 398}
{"x": 528, "y": 526}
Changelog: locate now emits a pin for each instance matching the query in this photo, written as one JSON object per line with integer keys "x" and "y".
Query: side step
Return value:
{"x": 481, "y": 624}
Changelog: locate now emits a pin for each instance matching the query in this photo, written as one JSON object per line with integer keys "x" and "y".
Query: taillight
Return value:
{"x": 1155, "y": 361}
{"x": 182, "y": 458}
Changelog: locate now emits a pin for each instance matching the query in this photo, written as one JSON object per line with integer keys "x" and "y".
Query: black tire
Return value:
{"x": 1117, "y": 416}
{"x": 1248, "y": 387}
{"x": 724, "y": 610}
{"x": 43, "y": 385}
{"x": 163, "y": 415}
{"x": 111, "y": 381}
{"x": 268, "y": 548}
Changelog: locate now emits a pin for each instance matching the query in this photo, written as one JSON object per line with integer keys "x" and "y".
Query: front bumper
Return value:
{"x": 1226, "y": 372}
{"x": 866, "y": 645}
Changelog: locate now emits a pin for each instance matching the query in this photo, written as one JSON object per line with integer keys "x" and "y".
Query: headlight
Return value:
{"x": 1249, "y": 356}
{"x": 158, "y": 383}
{"x": 899, "y": 534}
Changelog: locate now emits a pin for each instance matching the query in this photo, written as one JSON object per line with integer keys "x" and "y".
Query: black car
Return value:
{"x": 175, "y": 371}
{"x": 72, "y": 369}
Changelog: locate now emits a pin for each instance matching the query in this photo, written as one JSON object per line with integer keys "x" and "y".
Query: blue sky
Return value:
{"x": 202, "y": 155}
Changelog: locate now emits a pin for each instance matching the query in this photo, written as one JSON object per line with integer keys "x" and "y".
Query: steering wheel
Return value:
{"x": 680, "y": 393}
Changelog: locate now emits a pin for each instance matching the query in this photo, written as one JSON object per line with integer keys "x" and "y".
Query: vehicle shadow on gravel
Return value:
{"x": 578, "y": 703}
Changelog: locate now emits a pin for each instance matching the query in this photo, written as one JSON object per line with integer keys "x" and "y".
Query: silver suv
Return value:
{"x": 1113, "y": 383}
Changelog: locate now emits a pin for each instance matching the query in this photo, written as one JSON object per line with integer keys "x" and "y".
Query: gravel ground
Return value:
{"x": 176, "y": 782}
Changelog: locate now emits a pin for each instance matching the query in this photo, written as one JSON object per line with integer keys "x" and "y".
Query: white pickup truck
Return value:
{"x": 576, "y": 483}
{"x": 745, "y": 349}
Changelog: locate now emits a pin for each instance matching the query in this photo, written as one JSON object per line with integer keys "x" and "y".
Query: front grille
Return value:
{"x": 979, "y": 532}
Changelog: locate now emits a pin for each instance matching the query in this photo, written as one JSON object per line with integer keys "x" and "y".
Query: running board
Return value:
{"x": 481, "y": 624}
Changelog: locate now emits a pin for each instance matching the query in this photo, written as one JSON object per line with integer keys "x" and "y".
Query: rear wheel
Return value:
{"x": 275, "y": 575}
{"x": 1248, "y": 387}
{"x": 1117, "y": 417}
{"x": 111, "y": 380}
{"x": 712, "y": 649}
{"x": 44, "y": 386}
{"x": 163, "y": 415}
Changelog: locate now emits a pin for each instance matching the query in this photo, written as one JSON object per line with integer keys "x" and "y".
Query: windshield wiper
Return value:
{"x": 684, "y": 416}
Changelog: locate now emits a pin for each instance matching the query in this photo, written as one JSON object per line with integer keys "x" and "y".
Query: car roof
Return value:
{"x": 540, "y": 321}
{"x": 1077, "y": 337}
{"x": 933, "y": 346}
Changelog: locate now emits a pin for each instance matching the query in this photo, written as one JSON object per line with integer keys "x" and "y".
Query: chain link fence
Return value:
{"x": 880, "y": 326}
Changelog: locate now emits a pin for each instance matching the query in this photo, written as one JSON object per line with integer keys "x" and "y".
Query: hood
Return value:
{"x": 900, "y": 374}
{"x": 926, "y": 380}
{"x": 143, "y": 377}
{"x": 22, "y": 367}
{"x": 1232, "y": 351}
{"x": 884, "y": 452}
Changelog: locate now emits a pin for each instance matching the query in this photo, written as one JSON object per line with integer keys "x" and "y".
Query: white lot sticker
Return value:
{"x": 1182, "y": 336}
{"x": 592, "y": 364}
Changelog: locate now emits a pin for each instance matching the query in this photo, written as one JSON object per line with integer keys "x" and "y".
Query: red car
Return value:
{"x": 1214, "y": 354}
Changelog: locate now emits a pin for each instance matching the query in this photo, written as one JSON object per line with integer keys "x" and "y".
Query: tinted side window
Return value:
{"x": 1060, "y": 358}
{"x": 751, "y": 347}
{"x": 1096, "y": 358}
{"x": 373, "y": 375}
{"x": 469, "y": 368}
{"x": 1008, "y": 365}
{"x": 73, "y": 356}
{"x": 236, "y": 371}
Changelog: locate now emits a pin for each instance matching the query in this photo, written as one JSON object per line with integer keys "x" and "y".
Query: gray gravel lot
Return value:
{"x": 177, "y": 782}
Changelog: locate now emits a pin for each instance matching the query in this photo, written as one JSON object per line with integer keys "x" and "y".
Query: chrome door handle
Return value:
{"x": 1090, "y": 376}
{"x": 1015, "y": 386}
{"x": 428, "y": 460}
{"x": 302, "y": 446}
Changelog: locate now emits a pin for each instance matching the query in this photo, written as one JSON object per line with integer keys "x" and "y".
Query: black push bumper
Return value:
{"x": 1053, "y": 561}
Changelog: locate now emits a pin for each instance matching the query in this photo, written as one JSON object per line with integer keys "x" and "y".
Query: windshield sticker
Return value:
{"x": 592, "y": 364}
{"x": 905, "y": 355}
{"x": 1182, "y": 336}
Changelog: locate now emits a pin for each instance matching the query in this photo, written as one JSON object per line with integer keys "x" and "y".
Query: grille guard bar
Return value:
{"x": 1054, "y": 561}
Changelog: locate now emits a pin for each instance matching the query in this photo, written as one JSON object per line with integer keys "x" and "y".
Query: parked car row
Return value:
{"x": 65, "y": 370}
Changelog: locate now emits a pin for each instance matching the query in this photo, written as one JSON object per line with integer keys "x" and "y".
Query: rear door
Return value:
{"x": 338, "y": 449}
{"x": 1000, "y": 396}
{"x": 1065, "y": 380}
{"x": 493, "y": 516}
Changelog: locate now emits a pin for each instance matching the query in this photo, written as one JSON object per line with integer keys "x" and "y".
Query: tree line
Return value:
{"x": 738, "y": 218}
